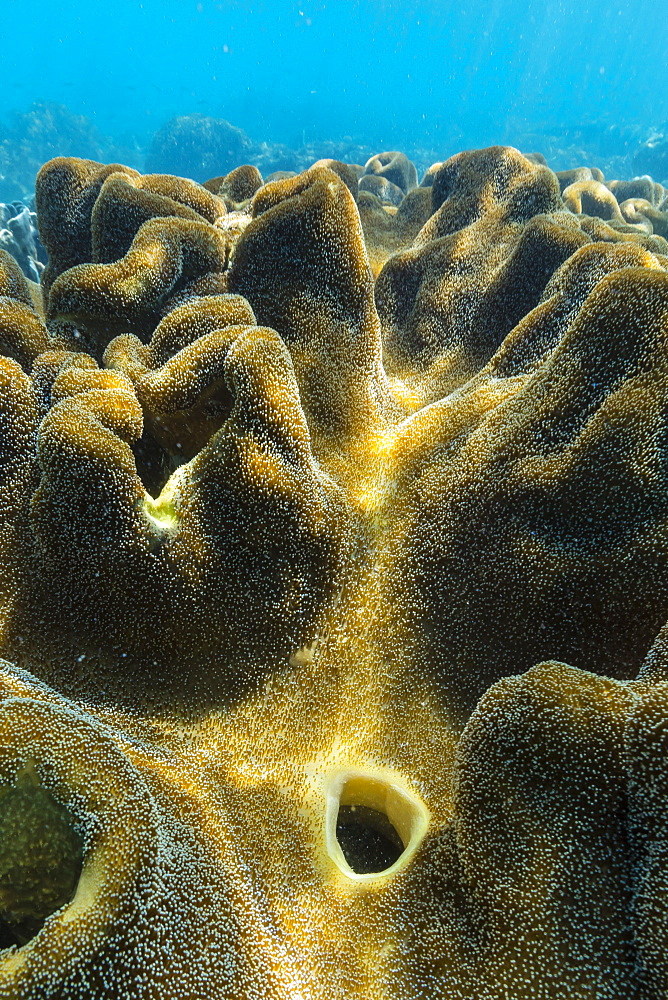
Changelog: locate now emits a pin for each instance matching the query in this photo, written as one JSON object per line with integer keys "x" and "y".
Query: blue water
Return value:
{"x": 414, "y": 75}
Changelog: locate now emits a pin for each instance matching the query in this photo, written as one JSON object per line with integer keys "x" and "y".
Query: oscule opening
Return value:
{"x": 374, "y": 824}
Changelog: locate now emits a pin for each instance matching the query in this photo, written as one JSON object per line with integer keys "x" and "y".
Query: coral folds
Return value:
{"x": 333, "y": 585}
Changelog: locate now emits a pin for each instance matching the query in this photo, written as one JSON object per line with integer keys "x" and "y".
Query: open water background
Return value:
{"x": 430, "y": 77}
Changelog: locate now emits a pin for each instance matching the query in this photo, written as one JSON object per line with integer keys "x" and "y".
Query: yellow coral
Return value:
{"x": 329, "y": 599}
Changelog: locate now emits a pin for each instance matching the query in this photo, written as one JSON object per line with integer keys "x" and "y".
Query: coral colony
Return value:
{"x": 333, "y": 572}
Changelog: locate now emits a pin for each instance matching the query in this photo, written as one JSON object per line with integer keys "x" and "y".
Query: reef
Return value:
{"x": 47, "y": 129}
{"x": 334, "y": 585}
{"x": 197, "y": 146}
{"x": 651, "y": 157}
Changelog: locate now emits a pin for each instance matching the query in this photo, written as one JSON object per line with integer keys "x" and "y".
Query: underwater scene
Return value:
{"x": 334, "y": 500}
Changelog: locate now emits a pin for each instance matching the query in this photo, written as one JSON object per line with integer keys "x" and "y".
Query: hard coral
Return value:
{"x": 336, "y": 605}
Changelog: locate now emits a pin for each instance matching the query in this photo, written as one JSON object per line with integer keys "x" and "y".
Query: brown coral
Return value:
{"x": 125, "y": 203}
{"x": 323, "y": 306}
{"x": 65, "y": 193}
{"x": 166, "y": 256}
{"x": 592, "y": 198}
{"x": 479, "y": 264}
{"x": 237, "y": 186}
{"x": 179, "y": 378}
{"x": 239, "y": 576}
{"x": 344, "y": 592}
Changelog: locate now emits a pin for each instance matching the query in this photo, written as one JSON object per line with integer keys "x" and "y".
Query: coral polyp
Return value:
{"x": 333, "y": 574}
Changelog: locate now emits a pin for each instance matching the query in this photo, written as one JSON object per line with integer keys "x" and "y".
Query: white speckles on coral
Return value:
{"x": 337, "y": 564}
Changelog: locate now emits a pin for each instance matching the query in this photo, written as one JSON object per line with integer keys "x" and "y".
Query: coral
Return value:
{"x": 639, "y": 187}
{"x": 479, "y": 264}
{"x": 237, "y": 186}
{"x": 383, "y": 189}
{"x": 18, "y": 236}
{"x": 66, "y": 191}
{"x": 620, "y": 232}
{"x": 23, "y": 334}
{"x": 577, "y": 175}
{"x": 652, "y": 157}
{"x": 125, "y": 202}
{"x": 393, "y": 167}
{"x": 333, "y": 589}
{"x": 323, "y": 306}
{"x": 387, "y": 230}
{"x": 429, "y": 174}
{"x": 592, "y": 198}
{"x": 555, "y": 494}
{"x": 641, "y": 212}
{"x": 537, "y": 158}
{"x": 347, "y": 173}
{"x": 166, "y": 255}
{"x": 196, "y": 146}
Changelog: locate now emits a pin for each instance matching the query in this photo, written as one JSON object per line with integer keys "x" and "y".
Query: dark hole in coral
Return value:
{"x": 170, "y": 440}
{"x": 41, "y": 857}
{"x": 154, "y": 466}
{"x": 367, "y": 838}
{"x": 7, "y": 936}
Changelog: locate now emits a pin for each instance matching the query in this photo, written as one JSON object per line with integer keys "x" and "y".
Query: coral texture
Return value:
{"x": 334, "y": 586}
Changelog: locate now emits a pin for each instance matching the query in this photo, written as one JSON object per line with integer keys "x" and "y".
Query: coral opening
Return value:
{"x": 374, "y": 825}
{"x": 367, "y": 838}
{"x": 41, "y": 858}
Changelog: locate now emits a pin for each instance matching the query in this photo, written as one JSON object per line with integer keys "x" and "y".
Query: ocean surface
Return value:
{"x": 573, "y": 80}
